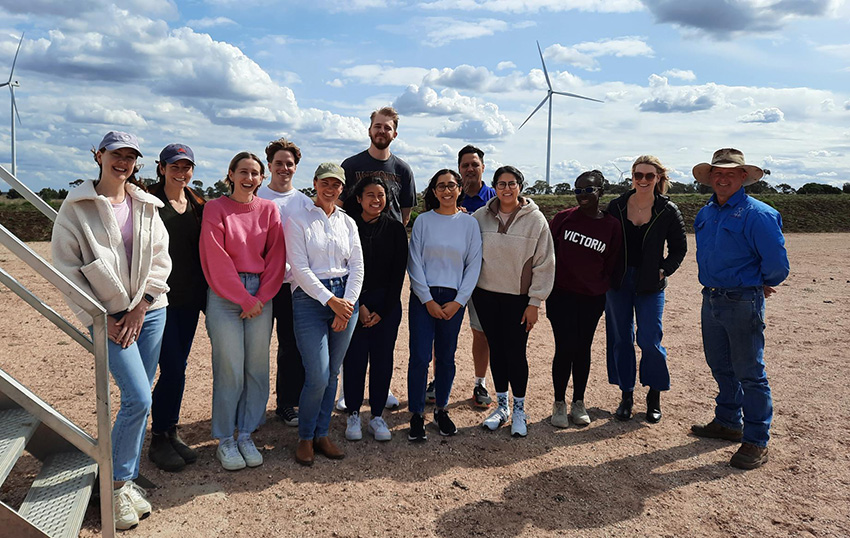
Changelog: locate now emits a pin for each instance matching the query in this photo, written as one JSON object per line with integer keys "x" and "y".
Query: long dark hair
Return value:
{"x": 431, "y": 201}
{"x": 353, "y": 207}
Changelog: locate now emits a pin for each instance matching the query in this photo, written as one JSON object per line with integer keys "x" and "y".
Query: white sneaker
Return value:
{"x": 138, "y": 497}
{"x": 392, "y": 401}
{"x": 353, "y": 430}
{"x": 579, "y": 414}
{"x": 560, "y": 419}
{"x": 518, "y": 424}
{"x": 125, "y": 515}
{"x": 229, "y": 456}
{"x": 378, "y": 427}
{"x": 249, "y": 452}
{"x": 496, "y": 418}
{"x": 340, "y": 404}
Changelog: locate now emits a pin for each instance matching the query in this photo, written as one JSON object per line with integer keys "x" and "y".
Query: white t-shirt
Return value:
{"x": 287, "y": 203}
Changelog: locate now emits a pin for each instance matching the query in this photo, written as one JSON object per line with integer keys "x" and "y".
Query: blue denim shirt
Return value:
{"x": 740, "y": 244}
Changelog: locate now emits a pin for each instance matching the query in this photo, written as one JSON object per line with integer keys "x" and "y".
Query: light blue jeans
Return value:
{"x": 240, "y": 361}
{"x": 133, "y": 369}
{"x": 322, "y": 352}
{"x": 733, "y": 341}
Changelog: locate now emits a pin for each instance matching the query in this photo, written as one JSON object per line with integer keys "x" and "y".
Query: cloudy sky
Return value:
{"x": 678, "y": 80}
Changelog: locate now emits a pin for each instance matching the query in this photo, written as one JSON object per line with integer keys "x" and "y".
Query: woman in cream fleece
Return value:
{"x": 109, "y": 240}
{"x": 517, "y": 272}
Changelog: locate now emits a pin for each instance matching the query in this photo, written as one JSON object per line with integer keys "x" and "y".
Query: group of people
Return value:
{"x": 329, "y": 272}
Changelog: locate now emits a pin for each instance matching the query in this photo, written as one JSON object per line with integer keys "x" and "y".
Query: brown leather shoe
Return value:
{"x": 749, "y": 456}
{"x": 304, "y": 452}
{"x": 715, "y": 430}
{"x": 325, "y": 446}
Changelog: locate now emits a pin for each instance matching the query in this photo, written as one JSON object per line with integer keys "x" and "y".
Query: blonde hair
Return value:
{"x": 663, "y": 181}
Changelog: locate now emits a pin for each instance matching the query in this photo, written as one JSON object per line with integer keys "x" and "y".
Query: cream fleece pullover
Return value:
{"x": 88, "y": 249}
{"x": 519, "y": 257}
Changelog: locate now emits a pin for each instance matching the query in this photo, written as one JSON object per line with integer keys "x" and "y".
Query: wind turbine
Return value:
{"x": 548, "y": 97}
{"x": 12, "y": 84}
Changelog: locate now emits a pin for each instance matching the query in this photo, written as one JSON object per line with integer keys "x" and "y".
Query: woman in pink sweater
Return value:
{"x": 243, "y": 257}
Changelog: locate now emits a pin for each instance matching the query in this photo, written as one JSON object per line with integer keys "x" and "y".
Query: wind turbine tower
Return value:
{"x": 548, "y": 97}
{"x": 12, "y": 84}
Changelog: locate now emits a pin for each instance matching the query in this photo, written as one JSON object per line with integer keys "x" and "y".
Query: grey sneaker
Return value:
{"x": 559, "y": 415}
{"x": 378, "y": 427}
{"x": 518, "y": 424}
{"x": 579, "y": 414}
{"x": 496, "y": 418}
{"x": 392, "y": 401}
{"x": 353, "y": 429}
{"x": 480, "y": 396}
{"x": 229, "y": 456}
{"x": 249, "y": 452}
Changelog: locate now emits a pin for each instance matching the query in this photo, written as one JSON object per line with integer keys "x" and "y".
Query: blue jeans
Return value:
{"x": 177, "y": 339}
{"x": 733, "y": 340}
{"x": 240, "y": 362}
{"x": 133, "y": 370}
{"x": 624, "y": 307}
{"x": 322, "y": 352}
{"x": 427, "y": 333}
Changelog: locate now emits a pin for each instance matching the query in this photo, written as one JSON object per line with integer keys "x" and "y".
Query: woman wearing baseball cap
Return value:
{"x": 110, "y": 241}
{"x": 182, "y": 212}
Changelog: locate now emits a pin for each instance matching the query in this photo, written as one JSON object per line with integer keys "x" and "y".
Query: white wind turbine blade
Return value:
{"x": 12, "y": 72}
{"x": 543, "y": 102}
{"x": 545, "y": 71}
{"x": 579, "y": 96}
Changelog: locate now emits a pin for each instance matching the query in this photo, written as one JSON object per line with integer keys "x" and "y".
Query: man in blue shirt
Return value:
{"x": 741, "y": 258}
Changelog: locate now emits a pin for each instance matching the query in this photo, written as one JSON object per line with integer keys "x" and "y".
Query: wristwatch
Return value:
{"x": 149, "y": 298}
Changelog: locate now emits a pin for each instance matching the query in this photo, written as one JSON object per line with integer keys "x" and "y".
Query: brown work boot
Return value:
{"x": 304, "y": 452}
{"x": 749, "y": 456}
{"x": 325, "y": 446}
{"x": 715, "y": 430}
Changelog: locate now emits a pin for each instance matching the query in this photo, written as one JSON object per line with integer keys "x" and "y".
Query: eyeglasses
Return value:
{"x": 502, "y": 185}
{"x": 587, "y": 190}
{"x": 443, "y": 187}
{"x": 640, "y": 175}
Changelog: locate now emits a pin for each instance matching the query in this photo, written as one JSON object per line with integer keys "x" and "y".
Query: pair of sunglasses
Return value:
{"x": 640, "y": 175}
{"x": 587, "y": 190}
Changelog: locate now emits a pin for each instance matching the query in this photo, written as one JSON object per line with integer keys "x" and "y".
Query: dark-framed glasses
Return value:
{"x": 502, "y": 185}
{"x": 586, "y": 190}
{"x": 443, "y": 187}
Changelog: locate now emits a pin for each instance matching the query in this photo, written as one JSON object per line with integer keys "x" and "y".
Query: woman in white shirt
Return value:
{"x": 443, "y": 265}
{"x": 323, "y": 249}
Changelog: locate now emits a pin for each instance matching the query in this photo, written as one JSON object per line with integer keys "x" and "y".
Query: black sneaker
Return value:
{"x": 444, "y": 423}
{"x": 430, "y": 393}
{"x": 417, "y": 429}
{"x": 480, "y": 396}
{"x": 288, "y": 415}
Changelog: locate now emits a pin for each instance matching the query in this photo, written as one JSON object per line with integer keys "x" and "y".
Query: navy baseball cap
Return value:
{"x": 176, "y": 152}
{"x": 117, "y": 140}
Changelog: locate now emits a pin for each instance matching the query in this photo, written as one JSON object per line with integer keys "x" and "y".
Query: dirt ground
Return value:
{"x": 608, "y": 479}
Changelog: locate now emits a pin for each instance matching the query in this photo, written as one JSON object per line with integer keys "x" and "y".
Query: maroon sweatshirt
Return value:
{"x": 586, "y": 251}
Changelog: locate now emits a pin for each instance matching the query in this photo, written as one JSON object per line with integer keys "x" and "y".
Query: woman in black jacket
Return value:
{"x": 649, "y": 220}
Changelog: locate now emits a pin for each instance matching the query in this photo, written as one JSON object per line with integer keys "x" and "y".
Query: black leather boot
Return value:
{"x": 163, "y": 455}
{"x": 189, "y": 454}
{"x": 624, "y": 410}
{"x": 653, "y": 406}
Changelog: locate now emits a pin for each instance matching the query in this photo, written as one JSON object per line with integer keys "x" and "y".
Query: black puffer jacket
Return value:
{"x": 667, "y": 225}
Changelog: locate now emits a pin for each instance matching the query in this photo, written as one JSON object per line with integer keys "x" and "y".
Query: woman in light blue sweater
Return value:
{"x": 444, "y": 263}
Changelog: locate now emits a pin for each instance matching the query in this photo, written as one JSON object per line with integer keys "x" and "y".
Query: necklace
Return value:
{"x": 642, "y": 209}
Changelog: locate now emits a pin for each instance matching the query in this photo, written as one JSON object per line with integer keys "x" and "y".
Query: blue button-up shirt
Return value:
{"x": 472, "y": 203}
{"x": 740, "y": 243}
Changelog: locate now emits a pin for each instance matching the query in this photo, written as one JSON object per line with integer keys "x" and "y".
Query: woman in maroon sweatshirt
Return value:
{"x": 587, "y": 243}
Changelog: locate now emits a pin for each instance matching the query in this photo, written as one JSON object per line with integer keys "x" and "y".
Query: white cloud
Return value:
{"x": 210, "y": 22}
{"x": 382, "y": 75}
{"x": 766, "y": 115}
{"x": 535, "y": 6}
{"x": 505, "y": 65}
{"x": 443, "y": 30}
{"x": 87, "y": 112}
{"x": 680, "y": 74}
{"x": 335, "y": 83}
{"x": 666, "y": 98}
{"x": 584, "y": 54}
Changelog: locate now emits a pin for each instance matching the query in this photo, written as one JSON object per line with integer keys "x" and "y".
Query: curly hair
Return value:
{"x": 282, "y": 144}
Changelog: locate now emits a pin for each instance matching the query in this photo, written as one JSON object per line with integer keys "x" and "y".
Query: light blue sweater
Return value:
{"x": 445, "y": 251}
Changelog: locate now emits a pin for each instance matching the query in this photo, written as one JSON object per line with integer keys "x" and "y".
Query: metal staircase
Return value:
{"x": 71, "y": 458}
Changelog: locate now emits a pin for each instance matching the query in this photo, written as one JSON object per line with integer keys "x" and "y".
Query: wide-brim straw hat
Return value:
{"x": 727, "y": 158}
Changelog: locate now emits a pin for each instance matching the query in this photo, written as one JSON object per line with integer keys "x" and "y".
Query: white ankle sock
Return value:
{"x": 481, "y": 381}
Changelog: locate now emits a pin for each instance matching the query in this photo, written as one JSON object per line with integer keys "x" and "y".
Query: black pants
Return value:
{"x": 290, "y": 371}
{"x": 372, "y": 346}
{"x": 500, "y": 315}
{"x": 574, "y": 319}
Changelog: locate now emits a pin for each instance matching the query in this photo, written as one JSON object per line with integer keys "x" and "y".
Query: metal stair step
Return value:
{"x": 57, "y": 501}
{"x": 16, "y": 429}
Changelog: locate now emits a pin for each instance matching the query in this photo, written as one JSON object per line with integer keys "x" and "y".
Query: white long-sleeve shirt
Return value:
{"x": 318, "y": 247}
{"x": 289, "y": 202}
{"x": 445, "y": 251}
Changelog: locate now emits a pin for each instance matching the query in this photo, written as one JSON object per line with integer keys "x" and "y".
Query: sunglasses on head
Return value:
{"x": 640, "y": 175}
{"x": 586, "y": 190}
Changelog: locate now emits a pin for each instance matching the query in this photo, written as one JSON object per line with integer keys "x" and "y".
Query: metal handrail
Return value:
{"x": 99, "y": 449}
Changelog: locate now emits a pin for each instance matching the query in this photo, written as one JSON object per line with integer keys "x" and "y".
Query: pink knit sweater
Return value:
{"x": 242, "y": 238}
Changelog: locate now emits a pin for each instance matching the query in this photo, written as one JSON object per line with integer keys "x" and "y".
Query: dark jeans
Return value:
{"x": 500, "y": 315}
{"x": 574, "y": 319}
{"x": 372, "y": 346}
{"x": 177, "y": 338}
{"x": 290, "y": 371}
